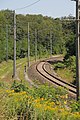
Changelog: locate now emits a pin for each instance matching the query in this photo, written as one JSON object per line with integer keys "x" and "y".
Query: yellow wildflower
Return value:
{"x": 38, "y": 105}
{"x": 49, "y": 108}
{"x": 37, "y": 100}
{"x": 65, "y": 102}
{"x": 51, "y": 103}
{"x": 22, "y": 93}
{"x": 66, "y": 96}
{"x": 42, "y": 99}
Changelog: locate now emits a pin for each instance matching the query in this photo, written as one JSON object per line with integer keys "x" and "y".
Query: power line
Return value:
{"x": 28, "y": 5}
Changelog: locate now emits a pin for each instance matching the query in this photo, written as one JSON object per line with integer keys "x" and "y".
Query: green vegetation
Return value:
{"x": 63, "y": 35}
{"x": 21, "y": 101}
{"x": 6, "y": 70}
{"x": 67, "y": 69}
{"x": 17, "y": 99}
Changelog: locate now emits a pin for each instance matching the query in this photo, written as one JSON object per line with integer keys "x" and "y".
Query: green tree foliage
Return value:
{"x": 63, "y": 35}
{"x": 69, "y": 27}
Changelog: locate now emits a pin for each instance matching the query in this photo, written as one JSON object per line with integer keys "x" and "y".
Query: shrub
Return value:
{"x": 59, "y": 65}
{"x": 18, "y": 87}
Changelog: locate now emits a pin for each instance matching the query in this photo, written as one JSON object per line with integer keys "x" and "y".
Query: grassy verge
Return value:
{"x": 6, "y": 69}
{"x": 65, "y": 71}
{"x": 66, "y": 74}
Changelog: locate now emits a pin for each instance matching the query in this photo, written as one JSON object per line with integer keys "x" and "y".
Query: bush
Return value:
{"x": 75, "y": 106}
{"x": 18, "y": 87}
{"x": 59, "y": 65}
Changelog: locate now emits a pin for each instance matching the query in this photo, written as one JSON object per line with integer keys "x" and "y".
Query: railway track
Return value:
{"x": 41, "y": 69}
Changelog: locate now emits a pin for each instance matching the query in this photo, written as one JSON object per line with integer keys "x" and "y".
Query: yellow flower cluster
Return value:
{"x": 64, "y": 96}
{"x": 49, "y": 108}
{"x": 41, "y": 105}
{"x": 44, "y": 104}
{"x": 37, "y": 100}
{"x": 9, "y": 91}
{"x": 18, "y": 93}
{"x": 38, "y": 105}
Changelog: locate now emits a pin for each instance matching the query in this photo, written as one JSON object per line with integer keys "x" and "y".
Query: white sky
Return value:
{"x": 53, "y": 8}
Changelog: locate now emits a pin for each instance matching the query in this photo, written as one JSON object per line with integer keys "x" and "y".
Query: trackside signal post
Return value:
{"x": 78, "y": 47}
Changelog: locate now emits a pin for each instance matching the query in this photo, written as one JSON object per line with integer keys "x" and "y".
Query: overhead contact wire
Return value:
{"x": 28, "y": 5}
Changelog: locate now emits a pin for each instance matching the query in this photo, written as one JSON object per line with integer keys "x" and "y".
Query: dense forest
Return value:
{"x": 60, "y": 32}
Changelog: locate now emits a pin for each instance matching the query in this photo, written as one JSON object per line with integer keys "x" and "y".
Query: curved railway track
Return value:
{"x": 41, "y": 69}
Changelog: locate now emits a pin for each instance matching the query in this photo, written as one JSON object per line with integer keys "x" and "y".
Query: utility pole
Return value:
{"x": 6, "y": 43}
{"x": 14, "y": 61}
{"x": 78, "y": 47}
{"x": 28, "y": 47}
{"x": 50, "y": 44}
{"x": 35, "y": 45}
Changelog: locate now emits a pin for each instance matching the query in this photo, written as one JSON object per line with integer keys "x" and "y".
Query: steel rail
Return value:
{"x": 54, "y": 79}
{"x": 57, "y": 77}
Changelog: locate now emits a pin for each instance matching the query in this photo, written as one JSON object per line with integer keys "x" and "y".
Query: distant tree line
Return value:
{"x": 62, "y": 35}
